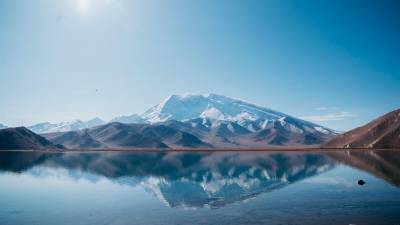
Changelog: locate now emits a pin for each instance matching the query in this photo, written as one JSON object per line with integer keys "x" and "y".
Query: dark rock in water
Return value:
{"x": 361, "y": 182}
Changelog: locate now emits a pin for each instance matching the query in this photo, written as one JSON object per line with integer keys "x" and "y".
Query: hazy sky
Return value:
{"x": 334, "y": 62}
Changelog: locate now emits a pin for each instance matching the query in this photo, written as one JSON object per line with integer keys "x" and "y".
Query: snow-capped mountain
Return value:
{"x": 213, "y": 108}
{"x": 47, "y": 127}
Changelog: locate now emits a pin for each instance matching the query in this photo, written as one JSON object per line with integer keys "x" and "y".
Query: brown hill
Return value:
{"x": 383, "y": 132}
{"x": 21, "y": 138}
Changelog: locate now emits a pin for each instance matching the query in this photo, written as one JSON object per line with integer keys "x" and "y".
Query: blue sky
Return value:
{"x": 333, "y": 62}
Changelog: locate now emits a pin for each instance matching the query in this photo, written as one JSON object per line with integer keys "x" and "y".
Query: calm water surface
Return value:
{"x": 199, "y": 188}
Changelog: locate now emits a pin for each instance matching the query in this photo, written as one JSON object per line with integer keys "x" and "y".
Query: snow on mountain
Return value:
{"x": 177, "y": 107}
{"x": 75, "y": 125}
{"x": 212, "y": 113}
{"x": 47, "y": 127}
{"x": 213, "y": 108}
{"x": 134, "y": 118}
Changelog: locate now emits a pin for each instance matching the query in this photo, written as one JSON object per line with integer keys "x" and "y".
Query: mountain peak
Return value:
{"x": 94, "y": 122}
{"x": 177, "y": 107}
{"x": 213, "y": 106}
{"x": 185, "y": 96}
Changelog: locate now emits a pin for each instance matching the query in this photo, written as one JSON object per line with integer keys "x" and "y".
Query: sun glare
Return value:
{"x": 88, "y": 7}
{"x": 84, "y": 6}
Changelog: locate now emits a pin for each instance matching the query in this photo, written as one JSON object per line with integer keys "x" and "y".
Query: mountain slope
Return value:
{"x": 74, "y": 139}
{"x": 123, "y": 136}
{"x": 118, "y": 135}
{"x": 2, "y": 126}
{"x": 21, "y": 138}
{"x": 215, "y": 107}
{"x": 282, "y": 132}
{"x": 383, "y": 132}
{"x": 173, "y": 137}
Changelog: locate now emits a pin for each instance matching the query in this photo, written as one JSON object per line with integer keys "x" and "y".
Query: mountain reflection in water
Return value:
{"x": 384, "y": 164}
{"x": 184, "y": 179}
{"x": 201, "y": 179}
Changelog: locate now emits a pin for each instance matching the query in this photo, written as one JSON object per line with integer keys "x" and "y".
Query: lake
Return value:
{"x": 39, "y": 188}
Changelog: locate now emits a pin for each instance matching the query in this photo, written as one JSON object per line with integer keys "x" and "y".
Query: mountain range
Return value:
{"x": 211, "y": 108}
{"x": 47, "y": 127}
{"x": 214, "y": 121}
{"x": 197, "y": 121}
